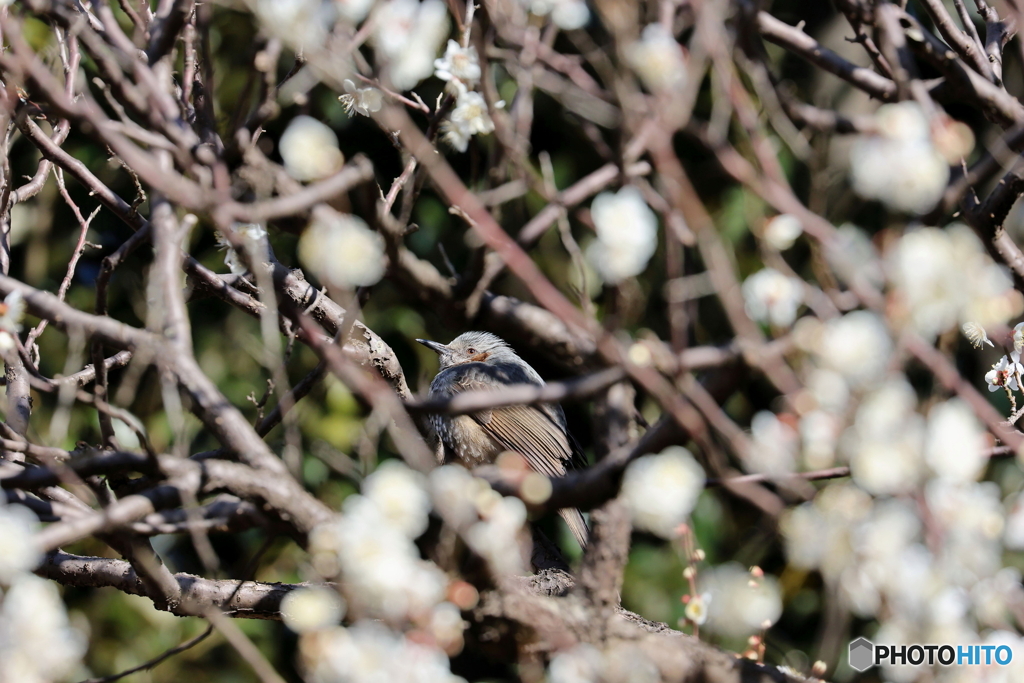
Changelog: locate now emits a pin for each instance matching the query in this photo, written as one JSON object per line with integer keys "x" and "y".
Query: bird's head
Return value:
{"x": 472, "y": 347}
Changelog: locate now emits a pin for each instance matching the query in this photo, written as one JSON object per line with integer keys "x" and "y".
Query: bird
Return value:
{"x": 483, "y": 361}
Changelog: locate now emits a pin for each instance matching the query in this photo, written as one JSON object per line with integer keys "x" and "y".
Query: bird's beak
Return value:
{"x": 433, "y": 346}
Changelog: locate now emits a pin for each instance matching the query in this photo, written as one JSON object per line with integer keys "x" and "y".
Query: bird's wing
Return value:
{"x": 535, "y": 432}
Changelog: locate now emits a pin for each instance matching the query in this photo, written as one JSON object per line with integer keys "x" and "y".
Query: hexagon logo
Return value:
{"x": 862, "y": 654}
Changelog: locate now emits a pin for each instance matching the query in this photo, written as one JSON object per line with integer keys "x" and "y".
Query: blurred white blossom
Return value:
{"x": 661, "y": 490}
{"x": 567, "y": 14}
{"x": 782, "y": 230}
{"x": 301, "y": 24}
{"x": 400, "y": 495}
{"x": 18, "y": 552}
{"x": 772, "y": 297}
{"x": 447, "y": 626}
{"x": 312, "y": 609}
{"x": 381, "y": 571}
{"x": 459, "y": 65}
{"x": 885, "y": 444}
{"x": 829, "y": 389}
{"x": 1018, "y": 337}
{"x": 899, "y": 165}
{"x": 854, "y": 257}
{"x": 627, "y": 234}
{"x": 740, "y": 605}
{"x": 806, "y": 533}
{"x": 342, "y": 250}
{"x": 497, "y": 536}
{"x": 310, "y": 149}
{"x": 582, "y": 663}
{"x": 37, "y": 644}
{"x": 353, "y": 11}
{"x": 491, "y": 523}
{"x": 774, "y": 445}
{"x": 658, "y": 59}
{"x": 857, "y": 346}
{"x": 363, "y": 101}
{"x": 370, "y": 652}
{"x": 819, "y": 434}
{"x": 370, "y": 546}
{"x": 993, "y": 596}
{"x": 955, "y": 441}
{"x": 970, "y": 516}
{"x": 12, "y": 311}
{"x": 1013, "y": 535}
{"x": 945, "y": 278}
{"x": 469, "y": 118}
{"x": 408, "y": 35}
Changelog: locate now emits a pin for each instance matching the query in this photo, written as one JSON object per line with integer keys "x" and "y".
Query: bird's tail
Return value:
{"x": 574, "y": 518}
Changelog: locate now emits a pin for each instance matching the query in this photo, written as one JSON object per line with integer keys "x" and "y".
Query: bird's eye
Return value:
{"x": 471, "y": 351}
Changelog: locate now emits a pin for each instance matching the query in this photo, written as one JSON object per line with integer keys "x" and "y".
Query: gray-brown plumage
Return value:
{"x": 482, "y": 361}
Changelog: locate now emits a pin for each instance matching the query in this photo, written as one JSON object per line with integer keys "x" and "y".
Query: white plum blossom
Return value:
{"x": 400, "y": 495}
{"x": 774, "y": 445}
{"x": 740, "y": 603}
{"x": 805, "y": 530}
{"x": 496, "y": 536}
{"x": 18, "y": 552}
{"x": 1018, "y": 337}
{"x": 301, "y": 24}
{"x": 12, "y": 310}
{"x": 1004, "y": 374}
{"x": 370, "y": 546}
{"x": 661, "y": 490}
{"x": 857, "y": 346}
{"x": 993, "y": 596}
{"x": 885, "y": 443}
{"x": 627, "y": 234}
{"x": 970, "y": 516}
{"x": 899, "y": 165}
{"x": 658, "y": 59}
{"x": 854, "y": 257}
{"x": 697, "y": 608}
{"x": 37, "y": 644}
{"x": 353, "y": 11}
{"x": 312, "y": 609}
{"x": 579, "y": 664}
{"x": 383, "y": 575}
{"x": 363, "y": 101}
{"x": 491, "y": 524}
{"x": 310, "y": 149}
{"x": 772, "y": 297}
{"x": 469, "y": 118}
{"x": 975, "y": 333}
{"x": 1013, "y": 534}
{"x": 408, "y": 36}
{"x": 955, "y": 441}
{"x": 370, "y": 652}
{"x": 447, "y": 626}
{"x": 819, "y": 433}
{"x": 829, "y": 388}
{"x": 342, "y": 250}
{"x": 459, "y": 65}
{"x": 783, "y": 230}
{"x": 889, "y": 467}
{"x": 945, "y": 278}
{"x": 567, "y": 14}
